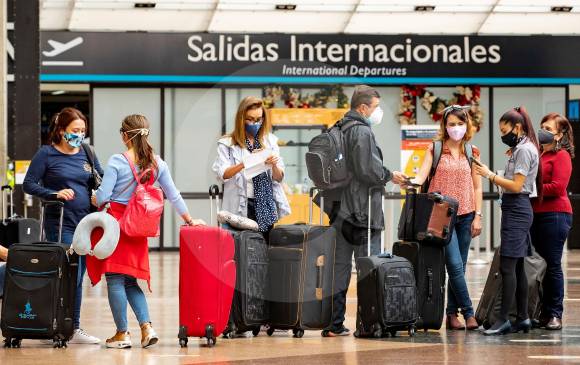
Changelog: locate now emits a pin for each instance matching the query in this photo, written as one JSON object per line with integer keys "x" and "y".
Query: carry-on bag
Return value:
{"x": 39, "y": 291}
{"x": 429, "y": 266}
{"x": 15, "y": 229}
{"x": 427, "y": 218}
{"x": 207, "y": 276}
{"x": 489, "y": 307}
{"x": 386, "y": 293}
{"x": 250, "y": 308}
{"x": 301, "y": 276}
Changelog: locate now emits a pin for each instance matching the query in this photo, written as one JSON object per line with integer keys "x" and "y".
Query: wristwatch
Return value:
{"x": 479, "y": 214}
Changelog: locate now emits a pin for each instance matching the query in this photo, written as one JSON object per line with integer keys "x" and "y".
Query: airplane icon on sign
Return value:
{"x": 59, "y": 48}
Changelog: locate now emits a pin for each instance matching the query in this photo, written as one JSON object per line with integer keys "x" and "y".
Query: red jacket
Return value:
{"x": 556, "y": 172}
{"x": 131, "y": 257}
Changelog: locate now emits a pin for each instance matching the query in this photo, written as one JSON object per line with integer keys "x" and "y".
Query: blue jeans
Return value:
{"x": 456, "y": 256}
{"x": 549, "y": 232}
{"x": 122, "y": 288}
{"x": 67, "y": 237}
{"x": 2, "y": 276}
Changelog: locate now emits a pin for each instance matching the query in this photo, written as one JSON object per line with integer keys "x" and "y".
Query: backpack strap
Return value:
{"x": 437, "y": 150}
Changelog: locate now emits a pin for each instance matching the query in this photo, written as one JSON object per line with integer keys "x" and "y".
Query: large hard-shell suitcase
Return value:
{"x": 429, "y": 264}
{"x": 488, "y": 309}
{"x": 207, "y": 276}
{"x": 301, "y": 277}
{"x": 427, "y": 218}
{"x": 15, "y": 229}
{"x": 386, "y": 293}
{"x": 39, "y": 291}
{"x": 250, "y": 308}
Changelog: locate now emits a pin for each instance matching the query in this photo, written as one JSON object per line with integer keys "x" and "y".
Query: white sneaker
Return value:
{"x": 81, "y": 337}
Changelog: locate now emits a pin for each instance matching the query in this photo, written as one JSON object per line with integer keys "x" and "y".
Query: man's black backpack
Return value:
{"x": 327, "y": 155}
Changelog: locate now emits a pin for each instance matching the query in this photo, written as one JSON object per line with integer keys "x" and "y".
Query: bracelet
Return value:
{"x": 493, "y": 179}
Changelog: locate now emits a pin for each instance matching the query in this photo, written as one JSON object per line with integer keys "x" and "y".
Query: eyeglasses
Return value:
{"x": 453, "y": 107}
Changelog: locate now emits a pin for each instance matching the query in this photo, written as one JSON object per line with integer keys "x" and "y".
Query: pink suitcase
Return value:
{"x": 207, "y": 277}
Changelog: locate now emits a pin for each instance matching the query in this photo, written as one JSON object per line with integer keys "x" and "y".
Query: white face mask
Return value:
{"x": 376, "y": 117}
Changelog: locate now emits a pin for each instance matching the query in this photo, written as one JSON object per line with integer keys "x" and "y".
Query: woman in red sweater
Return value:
{"x": 553, "y": 214}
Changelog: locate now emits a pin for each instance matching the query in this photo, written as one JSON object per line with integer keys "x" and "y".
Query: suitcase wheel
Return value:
{"x": 58, "y": 343}
{"x": 412, "y": 331}
{"x": 211, "y": 340}
{"x": 298, "y": 332}
{"x": 270, "y": 331}
{"x": 12, "y": 342}
{"x": 378, "y": 333}
{"x": 182, "y": 336}
{"x": 256, "y": 331}
{"x": 230, "y": 331}
{"x": 183, "y": 342}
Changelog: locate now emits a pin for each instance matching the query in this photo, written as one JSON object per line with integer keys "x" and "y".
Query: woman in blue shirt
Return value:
{"x": 62, "y": 170}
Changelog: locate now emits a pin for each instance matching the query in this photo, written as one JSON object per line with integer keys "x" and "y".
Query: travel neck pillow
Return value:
{"x": 81, "y": 243}
{"x": 237, "y": 221}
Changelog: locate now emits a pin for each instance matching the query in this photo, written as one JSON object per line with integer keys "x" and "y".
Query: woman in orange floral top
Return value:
{"x": 454, "y": 177}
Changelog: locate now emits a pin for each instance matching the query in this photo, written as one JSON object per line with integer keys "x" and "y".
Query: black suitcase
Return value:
{"x": 429, "y": 264}
{"x": 489, "y": 305}
{"x": 301, "y": 276}
{"x": 249, "y": 306}
{"x": 14, "y": 229}
{"x": 427, "y": 217}
{"x": 386, "y": 293}
{"x": 39, "y": 292}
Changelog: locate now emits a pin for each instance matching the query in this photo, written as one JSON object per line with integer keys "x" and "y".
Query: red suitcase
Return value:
{"x": 207, "y": 277}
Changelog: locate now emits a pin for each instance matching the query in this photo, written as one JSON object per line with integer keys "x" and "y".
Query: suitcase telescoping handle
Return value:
{"x": 214, "y": 194}
{"x": 5, "y": 201}
{"x": 380, "y": 188}
{"x": 313, "y": 190}
{"x": 47, "y": 203}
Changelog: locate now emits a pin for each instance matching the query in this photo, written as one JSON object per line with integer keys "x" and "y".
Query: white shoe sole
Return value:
{"x": 119, "y": 345}
{"x": 150, "y": 342}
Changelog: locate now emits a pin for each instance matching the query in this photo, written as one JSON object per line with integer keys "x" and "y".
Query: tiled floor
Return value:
{"x": 538, "y": 347}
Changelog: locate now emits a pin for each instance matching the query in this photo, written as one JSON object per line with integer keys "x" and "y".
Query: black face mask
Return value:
{"x": 545, "y": 137}
{"x": 510, "y": 139}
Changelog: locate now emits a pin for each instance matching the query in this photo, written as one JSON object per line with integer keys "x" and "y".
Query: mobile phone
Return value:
{"x": 473, "y": 160}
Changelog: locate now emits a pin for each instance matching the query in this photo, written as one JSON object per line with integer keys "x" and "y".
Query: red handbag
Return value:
{"x": 142, "y": 216}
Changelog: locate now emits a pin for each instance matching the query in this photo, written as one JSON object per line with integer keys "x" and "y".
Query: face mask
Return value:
{"x": 545, "y": 137}
{"x": 253, "y": 129}
{"x": 510, "y": 139}
{"x": 376, "y": 117}
{"x": 74, "y": 140}
{"x": 457, "y": 132}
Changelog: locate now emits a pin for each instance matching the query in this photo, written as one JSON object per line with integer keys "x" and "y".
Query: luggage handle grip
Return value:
{"x": 319, "y": 269}
{"x": 47, "y": 203}
{"x": 214, "y": 193}
{"x": 386, "y": 255}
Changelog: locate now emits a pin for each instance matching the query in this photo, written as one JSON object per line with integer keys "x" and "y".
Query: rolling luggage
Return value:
{"x": 207, "y": 276}
{"x": 386, "y": 294}
{"x": 301, "y": 276}
{"x": 250, "y": 308}
{"x": 14, "y": 229}
{"x": 489, "y": 305}
{"x": 427, "y": 217}
{"x": 39, "y": 292}
{"x": 429, "y": 265}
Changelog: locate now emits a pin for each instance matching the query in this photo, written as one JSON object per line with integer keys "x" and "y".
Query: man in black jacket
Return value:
{"x": 350, "y": 214}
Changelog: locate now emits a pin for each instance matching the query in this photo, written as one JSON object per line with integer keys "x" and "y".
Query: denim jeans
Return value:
{"x": 122, "y": 289}
{"x": 2, "y": 276}
{"x": 456, "y": 260}
{"x": 67, "y": 237}
{"x": 549, "y": 233}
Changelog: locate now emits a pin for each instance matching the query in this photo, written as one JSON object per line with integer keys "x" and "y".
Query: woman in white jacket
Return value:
{"x": 260, "y": 198}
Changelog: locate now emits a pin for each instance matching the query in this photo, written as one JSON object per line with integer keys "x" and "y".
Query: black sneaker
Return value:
{"x": 342, "y": 331}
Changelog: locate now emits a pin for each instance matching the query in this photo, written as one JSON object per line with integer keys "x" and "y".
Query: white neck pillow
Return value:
{"x": 107, "y": 244}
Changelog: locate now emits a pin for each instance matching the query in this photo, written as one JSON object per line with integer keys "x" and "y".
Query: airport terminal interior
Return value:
{"x": 189, "y": 67}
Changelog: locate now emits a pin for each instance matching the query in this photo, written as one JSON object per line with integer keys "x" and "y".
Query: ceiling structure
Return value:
{"x": 314, "y": 16}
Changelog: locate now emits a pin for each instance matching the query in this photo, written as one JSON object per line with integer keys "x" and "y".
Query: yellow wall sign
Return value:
{"x": 20, "y": 170}
{"x": 307, "y": 116}
{"x": 415, "y": 139}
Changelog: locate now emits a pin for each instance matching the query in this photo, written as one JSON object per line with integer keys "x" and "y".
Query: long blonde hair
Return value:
{"x": 239, "y": 134}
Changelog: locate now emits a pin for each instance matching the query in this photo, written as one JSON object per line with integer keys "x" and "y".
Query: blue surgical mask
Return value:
{"x": 74, "y": 140}
{"x": 253, "y": 129}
